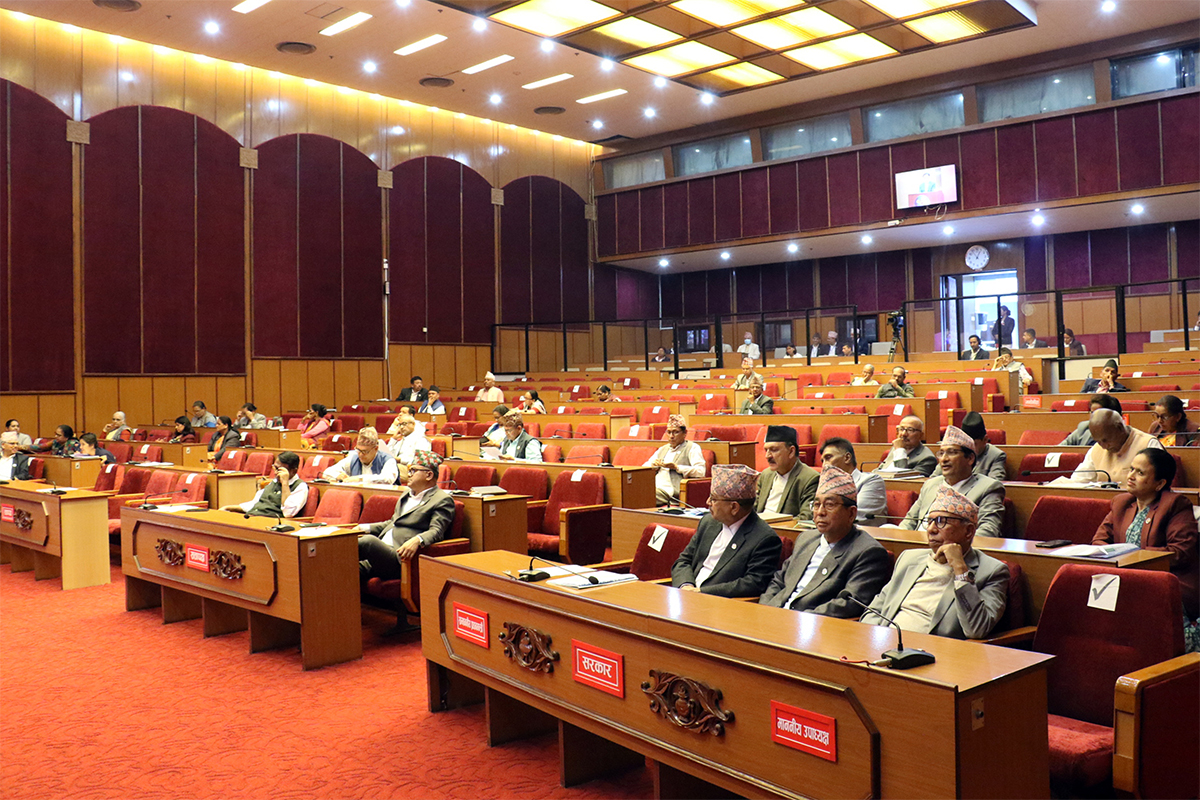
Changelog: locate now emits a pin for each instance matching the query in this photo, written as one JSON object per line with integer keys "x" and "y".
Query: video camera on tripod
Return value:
{"x": 896, "y": 320}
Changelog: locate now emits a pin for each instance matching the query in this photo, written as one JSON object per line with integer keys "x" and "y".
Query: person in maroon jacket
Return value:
{"x": 1153, "y": 517}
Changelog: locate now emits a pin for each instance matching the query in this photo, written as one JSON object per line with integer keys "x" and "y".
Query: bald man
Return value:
{"x": 907, "y": 450}
{"x": 1110, "y": 458}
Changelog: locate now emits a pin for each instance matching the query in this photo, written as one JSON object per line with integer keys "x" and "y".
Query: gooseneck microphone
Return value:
{"x": 532, "y": 576}
{"x": 56, "y": 490}
{"x": 1109, "y": 484}
{"x": 901, "y": 657}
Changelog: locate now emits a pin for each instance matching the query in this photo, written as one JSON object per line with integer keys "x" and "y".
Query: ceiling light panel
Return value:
{"x": 421, "y": 44}
{"x": 948, "y": 26}
{"x": 739, "y": 76}
{"x": 730, "y": 12}
{"x": 639, "y": 33}
{"x": 491, "y": 62}
{"x": 352, "y": 21}
{"x": 246, "y": 6}
{"x": 898, "y": 9}
{"x": 840, "y": 52}
{"x": 680, "y": 59}
{"x": 554, "y": 17}
{"x": 566, "y": 76}
{"x": 793, "y": 29}
{"x": 602, "y": 96}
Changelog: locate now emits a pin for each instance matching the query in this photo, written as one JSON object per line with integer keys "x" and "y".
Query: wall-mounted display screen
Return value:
{"x": 932, "y": 186}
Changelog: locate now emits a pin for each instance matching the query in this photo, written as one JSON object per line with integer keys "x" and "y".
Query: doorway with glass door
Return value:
{"x": 977, "y": 304}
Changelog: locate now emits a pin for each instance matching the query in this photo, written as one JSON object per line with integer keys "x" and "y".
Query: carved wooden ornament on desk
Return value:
{"x": 23, "y": 520}
{"x": 169, "y": 552}
{"x": 226, "y": 565}
{"x": 691, "y": 704}
{"x": 528, "y": 647}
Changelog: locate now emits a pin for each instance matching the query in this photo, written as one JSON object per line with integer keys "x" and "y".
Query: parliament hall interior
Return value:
{"x": 586, "y": 398}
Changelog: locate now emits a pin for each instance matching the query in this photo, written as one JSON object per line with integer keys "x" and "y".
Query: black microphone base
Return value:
{"x": 281, "y": 528}
{"x": 907, "y": 659}
{"x": 532, "y": 575}
{"x": 57, "y": 491}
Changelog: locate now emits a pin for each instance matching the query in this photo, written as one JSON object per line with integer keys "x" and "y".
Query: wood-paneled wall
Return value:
{"x": 447, "y": 366}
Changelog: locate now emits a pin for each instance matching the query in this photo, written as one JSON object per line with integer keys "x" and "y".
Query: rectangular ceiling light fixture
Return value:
{"x": 421, "y": 44}
{"x": 898, "y": 9}
{"x": 637, "y": 32}
{"x": 745, "y": 75}
{"x": 793, "y": 29}
{"x": 731, "y": 12}
{"x": 491, "y": 62}
{"x": 680, "y": 58}
{"x": 948, "y": 26}
{"x": 554, "y": 17}
{"x": 566, "y": 76}
{"x": 602, "y": 96}
{"x": 246, "y": 6}
{"x": 840, "y": 52}
{"x": 352, "y": 21}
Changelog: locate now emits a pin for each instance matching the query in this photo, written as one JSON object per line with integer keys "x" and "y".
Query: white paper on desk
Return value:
{"x": 1052, "y": 460}
{"x": 175, "y": 508}
{"x": 323, "y": 530}
{"x": 1096, "y": 550}
{"x": 489, "y": 452}
{"x": 1064, "y": 480}
{"x": 558, "y": 572}
{"x": 602, "y": 578}
{"x": 1104, "y": 591}
{"x": 658, "y": 538}
{"x": 50, "y": 489}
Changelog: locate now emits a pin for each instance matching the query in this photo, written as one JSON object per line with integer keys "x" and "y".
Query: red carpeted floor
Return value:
{"x": 97, "y": 702}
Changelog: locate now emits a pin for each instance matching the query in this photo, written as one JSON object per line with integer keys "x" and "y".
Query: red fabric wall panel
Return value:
{"x": 1035, "y": 264}
{"x": 861, "y": 275}
{"x": 443, "y": 250}
{"x": 650, "y": 211}
{"x": 670, "y": 288}
{"x": 749, "y": 289}
{"x": 875, "y": 184}
{"x": 720, "y": 300}
{"x": 515, "y": 270}
{"x": 362, "y": 257}
{"x": 843, "y": 189}
{"x": 700, "y": 211}
{"x": 833, "y": 281}
{"x": 756, "y": 203}
{"x": 1072, "y": 260}
{"x": 675, "y": 215}
{"x": 545, "y": 237}
{"x": 604, "y": 289}
{"x": 727, "y": 206}
{"x": 1181, "y": 139}
{"x": 979, "y": 183}
{"x": 1138, "y": 146}
{"x": 695, "y": 294}
{"x": 574, "y": 255}
{"x": 220, "y": 255}
{"x": 1109, "y": 256}
{"x": 1055, "y": 140}
{"x": 814, "y": 197}
{"x": 800, "y": 284}
{"x": 478, "y": 293}
{"x": 1096, "y": 153}
{"x": 606, "y": 225}
{"x": 774, "y": 287}
{"x": 628, "y": 223}
{"x": 908, "y": 156}
{"x": 1014, "y": 146}
{"x": 637, "y": 295}
{"x": 168, "y": 241}
{"x": 943, "y": 150}
{"x": 275, "y": 297}
{"x": 891, "y": 285}
{"x": 406, "y": 262}
{"x": 37, "y": 344}
{"x": 784, "y": 197}
{"x": 922, "y": 272}
{"x": 1187, "y": 249}
{"x": 1148, "y": 260}
{"x": 319, "y": 245}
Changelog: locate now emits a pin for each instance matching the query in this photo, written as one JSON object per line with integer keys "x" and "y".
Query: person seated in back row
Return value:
{"x": 989, "y": 459}
{"x": 183, "y": 433}
{"x": 281, "y": 495}
{"x": 490, "y": 393}
{"x": 867, "y": 378}
{"x": 908, "y": 452}
{"x": 956, "y": 458}
{"x": 519, "y": 445}
{"x": 367, "y": 463}
{"x": 89, "y": 447}
{"x": 1107, "y": 382}
{"x": 23, "y": 439}
{"x": 117, "y": 430}
{"x": 757, "y": 402}
{"x": 201, "y": 418}
{"x": 870, "y": 490}
{"x": 1171, "y": 425}
{"x": 604, "y": 395}
{"x": 223, "y": 438}
{"x": 423, "y": 516}
{"x": 248, "y": 417}
{"x": 1082, "y": 435}
{"x": 747, "y": 375}
{"x": 897, "y": 386}
{"x": 415, "y": 392}
{"x": 433, "y": 403}
{"x": 674, "y": 461}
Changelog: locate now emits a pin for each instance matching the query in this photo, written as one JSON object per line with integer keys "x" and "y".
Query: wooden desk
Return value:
{"x": 934, "y": 731}
{"x": 193, "y": 456}
{"x": 55, "y": 535}
{"x": 221, "y": 488}
{"x": 287, "y": 588}
{"x": 726, "y": 452}
{"x": 62, "y": 471}
{"x": 627, "y": 487}
{"x": 872, "y": 428}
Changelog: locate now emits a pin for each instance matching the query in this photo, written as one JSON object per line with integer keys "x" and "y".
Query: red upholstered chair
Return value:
{"x": 634, "y": 432}
{"x": 712, "y": 403}
{"x": 593, "y": 410}
{"x": 848, "y": 410}
{"x": 1140, "y": 374}
{"x": 818, "y": 394}
{"x": 139, "y": 435}
{"x": 726, "y": 433}
{"x": 655, "y": 414}
{"x": 293, "y": 424}
{"x": 632, "y": 456}
{"x": 189, "y": 488}
{"x": 445, "y": 477}
{"x": 377, "y": 409}
{"x": 649, "y": 398}
{"x": 649, "y": 564}
{"x": 312, "y": 466}
{"x": 37, "y": 468}
{"x": 378, "y": 508}
{"x": 146, "y": 452}
{"x": 551, "y": 453}
{"x": 338, "y": 426}
{"x": 859, "y": 394}
{"x": 771, "y": 389}
{"x": 109, "y": 478}
{"x": 164, "y": 434}
{"x": 1160, "y": 387}
{"x": 353, "y": 422}
{"x": 383, "y": 422}
{"x": 1070, "y": 405}
{"x": 351, "y": 408}
{"x": 810, "y": 379}
{"x": 1074, "y": 518}
{"x": 683, "y": 398}
{"x": 529, "y": 481}
{"x": 338, "y": 506}
{"x": 462, "y": 414}
{"x": 624, "y": 411}
{"x": 580, "y": 390}
{"x": 406, "y": 592}
{"x": 1040, "y": 438}
{"x": 232, "y": 460}
{"x": 1126, "y": 667}
{"x": 468, "y": 476}
{"x": 455, "y": 428}
{"x": 997, "y": 436}
{"x": 895, "y": 412}
{"x": 249, "y": 438}
{"x": 698, "y": 434}
{"x": 899, "y": 501}
{"x": 710, "y": 458}
{"x": 477, "y": 428}
{"x": 805, "y": 410}
{"x": 134, "y": 481}
{"x": 159, "y": 482}
{"x": 560, "y": 429}
{"x": 121, "y": 451}
{"x": 851, "y": 433}
{"x": 534, "y": 429}
{"x": 839, "y": 379}
{"x": 1035, "y": 465}
{"x": 582, "y": 455}
{"x": 591, "y": 430}
{"x": 695, "y": 491}
{"x": 576, "y": 523}
{"x": 630, "y": 383}
{"x": 259, "y": 463}
{"x": 340, "y": 442}
{"x": 947, "y": 401}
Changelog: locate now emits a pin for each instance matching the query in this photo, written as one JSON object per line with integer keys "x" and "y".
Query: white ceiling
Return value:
{"x": 250, "y": 39}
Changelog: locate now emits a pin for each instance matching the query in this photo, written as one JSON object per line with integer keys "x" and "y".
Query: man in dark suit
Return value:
{"x": 416, "y": 393}
{"x": 14, "y": 465}
{"x": 839, "y": 559}
{"x": 1029, "y": 339}
{"x": 975, "y": 353}
{"x": 788, "y": 485}
{"x": 734, "y": 552}
{"x": 422, "y": 517}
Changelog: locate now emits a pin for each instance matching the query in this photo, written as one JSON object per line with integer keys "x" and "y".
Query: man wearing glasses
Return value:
{"x": 956, "y": 457}
{"x": 950, "y": 589}
{"x": 907, "y": 450}
{"x": 422, "y": 517}
{"x": 839, "y": 559}
{"x": 734, "y": 552}
{"x": 283, "y": 496}
{"x": 367, "y": 464}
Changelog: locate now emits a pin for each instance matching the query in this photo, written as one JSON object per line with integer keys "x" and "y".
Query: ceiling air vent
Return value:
{"x": 617, "y": 137}
{"x": 296, "y": 48}
{"x": 549, "y": 110}
{"x": 437, "y": 83}
{"x": 119, "y": 5}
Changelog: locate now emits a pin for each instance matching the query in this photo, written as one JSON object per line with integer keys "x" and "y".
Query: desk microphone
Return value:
{"x": 883, "y": 517}
{"x": 1109, "y": 484}
{"x": 900, "y": 658}
{"x": 678, "y": 508}
{"x": 56, "y": 490}
{"x": 533, "y": 576}
{"x": 278, "y": 527}
{"x": 600, "y": 462}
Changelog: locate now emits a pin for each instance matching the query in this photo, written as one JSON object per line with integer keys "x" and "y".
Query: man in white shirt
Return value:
{"x": 956, "y": 458}
{"x": 14, "y": 465}
{"x": 23, "y": 440}
{"x": 490, "y": 393}
{"x": 734, "y": 552}
{"x": 1110, "y": 458}
{"x": 748, "y": 348}
{"x": 433, "y": 403}
{"x": 869, "y": 488}
{"x": 747, "y": 375}
{"x": 867, "y": 378}
{"x": 410, "y": 439}
{"x": 282, "y": 496}
{"x": 368, "y": 463}
{"x": 675, "y": 460}
{"x": 788, "y": 485}
{"x": 423, "y": 516}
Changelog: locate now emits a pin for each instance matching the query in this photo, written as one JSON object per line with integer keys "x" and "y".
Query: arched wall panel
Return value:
{"x": 544, "y": 254}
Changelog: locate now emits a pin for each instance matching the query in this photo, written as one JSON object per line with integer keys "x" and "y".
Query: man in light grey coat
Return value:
{"x": 956, "y": 457}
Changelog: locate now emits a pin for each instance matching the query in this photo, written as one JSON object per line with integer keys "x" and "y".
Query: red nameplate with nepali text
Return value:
{"x": 804, "y": 730}
{"x": 1031, "y": 401}
{"x": 471, "y": 624}
{"x": 197, "y": 557}
{"x": 599, "y": 668}
{"x": 8, "y": 513}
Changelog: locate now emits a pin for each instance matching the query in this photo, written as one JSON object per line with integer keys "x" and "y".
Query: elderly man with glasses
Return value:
{"x": 956, "y": 458}
{"x": 366, "y": 464}
{"x": 950, "y": 589}
{"x": 908, "y": 453}
{"x": 674, "y": 461}
{"x": 422, "y": 517}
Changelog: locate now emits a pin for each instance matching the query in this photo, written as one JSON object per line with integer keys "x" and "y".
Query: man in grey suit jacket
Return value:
{"x": 950, "y": 589}
{"x": 422, "y": 517}
{"x": 14, "y": 465}
{"x": 907, "y": 450}
{"x": 734, "y": 552}
{"x": 757, "y": 402}
{"x": 788, "y": 485}
{"x": 839, "y": 559}
{"x": 956, "y": 456}
{"x": 989, "y": 459}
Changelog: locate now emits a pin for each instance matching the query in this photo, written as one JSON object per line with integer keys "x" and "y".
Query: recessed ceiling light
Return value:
{"x": 707, "y": 98}
{"x": 649, "y": 113}
{"x": 397, "y": 130}
{"x": 495, "y": 99}
{"x": 201, "y": 58}
{"x": 1162, "y": 59}
{"x": 554, "y": 17}
{"x": 547, "y": 45}
{"x": 597, "y": 124}
{"x": 1108, "y": 6}
{"x": 948, "y": 230}
{"x": 547, "y": 81}
{"x": 479, "y": 24}
{"x": 602, "y": 96}
{"x": 309, "y": 82}
{"x": 369, "y": 66}
{"x": 240, "y": 67}
{"x": 1038, "y": 220}
{"x": 421, "y": 44}
{"x": 162, "y": 51}
{"x": 246, "y": 6}
{"x": 212, "y": 28}
{"x": 660, "y": 82}
{"x": 606, "y": 64}
{"x": 70, "y": 28}
{"x": 127, "y": 76}
{"x": 403, "y": 3}
{"x": 866, "y": 239}
{"x": 1137, "y": 208}
{"x": 491, "y": 62}
{"x": 725, "y": 256}
{"x": 352, "y": 21}
{"x": 793, "y": 247}
{"x": 118, "y": 40}
{"x": 662, "y": 262}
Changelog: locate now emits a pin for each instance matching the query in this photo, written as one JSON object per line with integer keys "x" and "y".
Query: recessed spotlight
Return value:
{"x": 649, "y": 113}
{"x": 403, "y": 3}
{"x": 878, "y": 114}
{"x": 1038, "y": 220}
{"x": 369, "y": 66}
{"x": 479, "y": 24}
{"x": 70, "y": 28}
{"x": 606, "y": 64}
{"x": 597, "y": 124}
{"x": 200, "y": 58}
{"x": 212, "y": 28}
{"x": 127, "y": 77}
{"x": 1058, "y": 80}
{"x": 725, "y": 256}
{"x": 707, "y": 98}
{"x": 162, "y": 51}
{"x": 272, "y": 104}
{"x": 397, "y": 130}
{"x": 866, "y": 239}
{"x": 495, "y": 99}
{"x": 1108, "y": 6}
{"x": 1137, "y": 208}
{"x": 834, "y": 139}
{"x": 660, "y": 82}
{"x": 662, "y": 262}
{"x": 793, "y": 248}
{"x": 948, "y": 230}
{"x": 1164, "y": 59}
{"x": 547, "y": 45}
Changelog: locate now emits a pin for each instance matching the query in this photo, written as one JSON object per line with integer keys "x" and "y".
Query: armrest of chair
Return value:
{"x": 410, "y": 587}
{"x": 621, "y": 566}
{"x": 534, "y": 511}
{"x": 661, "y": 581}
{"x": 583, "y": 532}
{"x": 808, "y": 454}
{"x": 118, "y": 501}
{"x": 1156, "y": 729}
{"x": 1011, "y": 638}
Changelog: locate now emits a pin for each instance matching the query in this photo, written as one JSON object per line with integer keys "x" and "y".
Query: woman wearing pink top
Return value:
{"x": 315, "y": 425}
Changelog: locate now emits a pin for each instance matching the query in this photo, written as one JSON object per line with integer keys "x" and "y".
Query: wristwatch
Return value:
{"x": 966, "y": 577}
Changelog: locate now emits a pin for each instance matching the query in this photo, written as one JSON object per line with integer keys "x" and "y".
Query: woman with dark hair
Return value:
{"x": 1071, "y": 344}
{"x": 1002, "y": 331}
{"x": 1171, "y": 425}
{"x": 315, "y": 425}
{"x": 494, "y": 436}
{"x": 224, "y": 438}
{"x": 65, "y": 443}
{"x": 1153, "y": 517}
{"x": 184, "y": 433}
{"x": 532, "y": 404}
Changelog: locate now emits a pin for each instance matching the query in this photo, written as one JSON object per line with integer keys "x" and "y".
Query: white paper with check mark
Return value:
{"x": 1103, "y": 592}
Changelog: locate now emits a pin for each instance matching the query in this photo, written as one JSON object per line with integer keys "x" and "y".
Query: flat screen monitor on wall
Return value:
{"x": 932, "y": 186}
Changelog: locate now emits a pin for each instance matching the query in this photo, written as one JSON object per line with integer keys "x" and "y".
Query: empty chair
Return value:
{"x": 848, "y": 410}
{"x": 339, "y": 442}
{"x": 108, "y": 478}
{"x": 576, "y": 522}
{"x": 632, "y": 455}
{"x": 1042, "y": 467}
{"x": 1042, "y": 437}
{"x": 561, "y": 430}
{"x": 468, "y": 476}
{"x": 231, "y": 460}
{"x": 851, "y": 433}
{"x": 634, "y": 432}
{"x": 712, "y": 403}
{"x": 1074, "y": 518}
{"x": 1070, "y": 405}
{"x": 121, "y": 451}
{"x": 726, "y": 433}
{"x": 445, "y": 477}
{"x": 189, "y": 488}
{"x": 810, "y": 379}
{"x": 839, "y": 379}
{"x": 563, "y": 410}
{"x": 259, "y": 463}
{"x": 378, "y": 508}
{"x": 649, "y": 398}
{"x": 591, "y": 430}
{"x": 147, "y": 452}
{"x": 159, "y": 483}
{"x": 654, "y": 562}
{"x": 997, "y": 436}
{"x": 338, "y": 506}
{"x": 351, "y": 408}
{"x": 529, "y": 481}
{"x": 477, "y": 428}
{"x": 462, "y": 414}
{"x": 134, "y": 481}
{"x": 899, "y": 501}
{"x": 817, "y": 394}
{"x": 683, "y": 398}
{"x": 534, "y": 429}
{"x": 805, "y": 410}
{"x": 593, "y": 410}
{"x": 313, "y": 466}
{"x": 551, "y": 453}
{"x": 858, "y": 394}
{"x": 1160, "y": 387}
{"x": 654, "y": 414}
{"x": 581, "y": 390}
{"x": 384, "y": 421}
{"x": 584, "y": 454}
{"x": 699, "y": 434}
